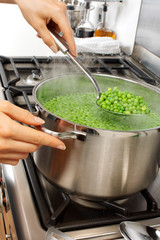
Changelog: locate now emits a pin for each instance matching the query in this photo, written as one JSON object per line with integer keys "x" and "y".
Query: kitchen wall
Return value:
{"x": 126, "y": 23}
{"x": 148, "y": 33}
{"x": 147, "y": 44}
{"x": 18, "y": 38}
{"x": 123, "y": 18}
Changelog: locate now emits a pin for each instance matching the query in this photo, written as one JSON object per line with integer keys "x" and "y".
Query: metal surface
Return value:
{"x": 25, "y": 211}
{"x": 64, "y": 135}
{"x": 147, "y": 44}
{"x": 22, "y": 205}
{"x": 53, "y": 233}
{"x": 148, "y": 28}
{"x": 147, "y": 59}
{"x": 138, "y": 231}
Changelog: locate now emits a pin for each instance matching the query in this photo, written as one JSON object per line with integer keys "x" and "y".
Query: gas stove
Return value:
{"x": 37, "y": 206}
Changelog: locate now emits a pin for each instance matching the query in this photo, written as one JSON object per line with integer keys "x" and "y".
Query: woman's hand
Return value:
{"x": 39, "y": 13}
{"x": 17, "y": 140}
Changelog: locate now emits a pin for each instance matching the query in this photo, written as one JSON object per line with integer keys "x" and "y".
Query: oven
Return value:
{"x": 39, "y": 209}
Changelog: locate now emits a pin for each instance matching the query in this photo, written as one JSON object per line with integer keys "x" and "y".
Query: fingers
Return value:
{"x": 13, "y": 156}
{"x": 12, "y": 130}
{"x": 65, "y": 27}
{"x": 10, "y": 161}
{"x": 37, "y": 137}
{"x": 19, "y": 114}
{"x": 61, "y": 22}
{"x": 67, "y": 35}
{"x": 38, "y": 13}
{"x": 44, "y": 33}
{"x": 8, "y": 146}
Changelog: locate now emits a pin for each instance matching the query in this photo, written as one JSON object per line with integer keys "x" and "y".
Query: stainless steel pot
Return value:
{"x": 109, "y": 164}
{"x": 75, "y": 14}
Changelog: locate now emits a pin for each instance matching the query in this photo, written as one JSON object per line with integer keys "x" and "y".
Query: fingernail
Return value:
{"x": 54, "y": 49}
{"x": 61, "y": 147}
{"x": 74, "y": 53}
{"x": 38, "y": 119}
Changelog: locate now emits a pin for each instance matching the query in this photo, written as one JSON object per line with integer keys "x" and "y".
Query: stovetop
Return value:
{"x": 36, "y": 204}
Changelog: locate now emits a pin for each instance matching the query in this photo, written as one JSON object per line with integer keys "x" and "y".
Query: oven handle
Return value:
{"x": 55, "y": 234}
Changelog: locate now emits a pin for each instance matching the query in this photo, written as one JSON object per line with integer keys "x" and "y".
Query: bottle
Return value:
{"x": 71, "y": 15}
{"x": 85, "y": 28}
{"x": 102, "y": 30}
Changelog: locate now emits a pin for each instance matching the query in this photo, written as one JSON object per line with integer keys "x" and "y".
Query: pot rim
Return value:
{"x": 143, "y": 84}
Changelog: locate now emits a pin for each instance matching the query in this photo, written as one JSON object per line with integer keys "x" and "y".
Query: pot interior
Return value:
{"x": 80, "y": 84}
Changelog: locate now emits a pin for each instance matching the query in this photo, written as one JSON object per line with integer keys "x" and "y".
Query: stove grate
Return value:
{"x": 36, "y": 66}
{"x": 94, "y": 63}
{"x": 71, "y": 216}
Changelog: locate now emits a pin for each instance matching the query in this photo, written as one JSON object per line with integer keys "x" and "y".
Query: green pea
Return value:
{"x": 80, "y": 108}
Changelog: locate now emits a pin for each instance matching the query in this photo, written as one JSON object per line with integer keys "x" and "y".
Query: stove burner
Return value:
{"x": 34, "y": 78}
{"x": 94, "y": 204}
{"x": 86, "y": 203}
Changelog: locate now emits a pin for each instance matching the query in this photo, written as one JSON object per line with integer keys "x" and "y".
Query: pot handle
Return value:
{"x": 64, "y": 135}
{"x": 55, "y": 234}
{"x": 61, "y": 135}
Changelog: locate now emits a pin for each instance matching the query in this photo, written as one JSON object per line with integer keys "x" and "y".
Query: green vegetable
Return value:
{"x": 122, "y": 102}
{"x": 80, "y": 108}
